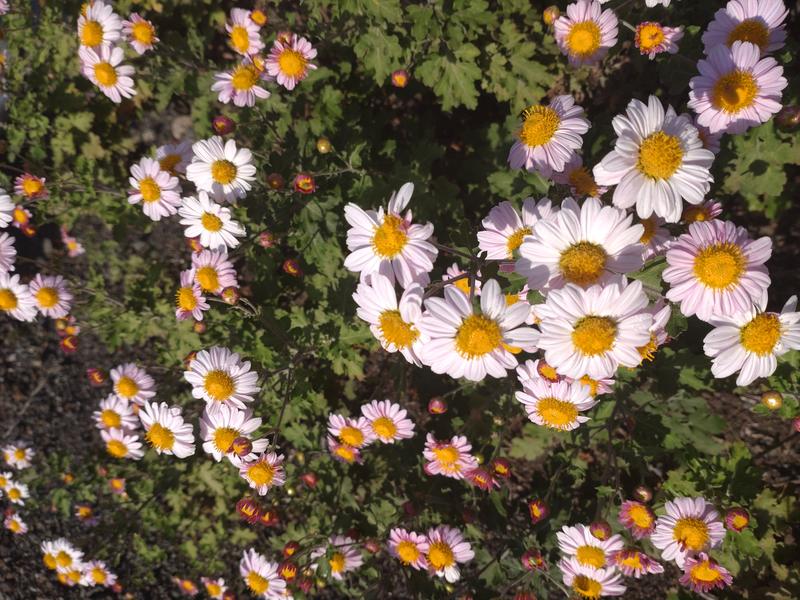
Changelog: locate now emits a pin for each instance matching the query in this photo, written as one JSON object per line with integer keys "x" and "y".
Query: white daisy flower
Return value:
{"x": 99, "y": 25}
{"x": 264, "y": 472}
{"x": 244, "y": 35}
{"x": 15, "y": 524}
{"x": 115, "y": 413}
{"x": 6, "y": 209}
{"x": 388, "y": 421}
{"x": 260, "y": 575}
{"x": 189, "y": 299}
{"x": 446, "y": 549}
{"x": 691, "y": 525}
{"x": 17, "y": 492}
{"x": 8, "y": 253}
{"x": 240, "y": 85}
{"x": 589, "y": 551}
{"x": 15, "y": 298}
{"x": 140, "y": 33}
{"x": 356, "y": 432}
{"x": 132, "y": 383}
{"x": 60, "y": 555}
{"x": 18, "y": 455}
{"x": 556, "y": 405}
{"x": 157, "y": 190}
{"x": 658, "y": 160}
{"x": 588, "y": 582}
{"x": 174, "y": 158}
{"x": 222, "y": 170}
{"x": 450, "y": 458}
{"x": 102, "y": 67}
{"x": 165, "y": 429}
{"x": 6, "y": 478}
{"x": 221, "y": 424}
{"x": 122, "y": 444}
{"x": 504, "y": 228}
{"x": 215, "y": 588}
{"x": 760, "y": 22}
{"x": 214, "y": 271}
{"x": 289, "y": 60}
{"x": 582, "y": 245}
{"x": 345, "y": 556}
{"x": 218, "y": 375}
{"x": 209, "y": 221}
{"x": 464, "y": 343}
{"x": 96, "y": 572}
{"x": 51, "y": 295}
{"x": 586, "y": 32}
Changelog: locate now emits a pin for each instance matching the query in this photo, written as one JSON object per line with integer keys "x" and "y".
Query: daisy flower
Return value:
{"x": 157, "y": 190}
{"x": 582, "y": 245}
{"x": 21, "y": 217}
{"x": 260, "y": 575}
{"x": 18, "y": 456}
{"x": 707, "y": 211}
{"x": 462, "y": 280}
{"x": 736, "y": 519}
{"x": 17, "y": 492}
{"x": 589, "y": 551}
{"x": 30, "y": 186}
{"x": 132, "y": 383}
{"x": 211, "y": 222}
{"x": 691, "y": 525}
{"x": 264, "y": 472}
{"x": 658, "y": 160}
{"x": 289, "y": 60}
{"x": 344, "y": 557}
{"x": 215, "y": 588}
{"x": 589, "y": 582}
{"x": 702, "y": 574}
{"x": 15, "y": 298}
{"x": 102, "y": 68}
{"x": 99, "y": 25}
{"x": 580, "y": 180}
{"x": 240, "y": 85}
{"x": 409, "y": 547}
{"x": 504, "y": 228}
{"x": 736, "y": 89}
{"x": 73, "y": 246}
{"x": 658, "y": 329}
{"x": 388, "y": 421}
{"x": 593, "y": 331}
{"x": 586, "y": 32}
{"x": 656, "y": 238}
{"x": 165, "y": 429}
{"x": 243, "y": 33}
{"x": 8, "y": 253}
{"x": 122, "y": 444}
{"x": 716, "y": 270}
{"x": 174, "y": 158}
{"x": 653, "y": 38}
{"x": 51, "y": 296}
{"x": 469, "y": 344}
{"x": 140, "y": 33}
{"x": 533, "y": 370}
{"x": 5, "y": 480}
{"x": 355, "y": 432}
{"x": 6, "y": 209}
{"x": 451, "y": 458}
{"x": 221, "y": 424}
{"x": 189, "y": 299}
{"x": 115, "y": 413}
{"x": 59, "y": 554}
{"x": 447, "y": 548}
{"x": 220, "y": 168}
{"x": 750, "y": 342}
{"x": 387, "y": 243}
{"x": 219, "y": 375}
{"x": 393, "y": 323}
{"x": 343, "y": 452}
{"x": 556, "y": 405}
{"x": 550, "y": 135}
{"x": 758, "y": 22}
{"x": 637, "y": 518}
{"x": 213, "y": 271}
{"x": 634, "y": 563}
{"x": 15, "y": 524}
{"x": 96, "y": 572}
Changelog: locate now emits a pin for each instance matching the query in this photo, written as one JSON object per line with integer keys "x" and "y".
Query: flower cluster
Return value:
{"x": 382, "y": 421}
{"x": 439, "y": 551}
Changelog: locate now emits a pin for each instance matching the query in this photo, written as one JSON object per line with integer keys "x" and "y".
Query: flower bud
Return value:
{"x": 290, "y": 548}
{"x": 266, "y": 239}
{"x": 96, "y": 377}
{"x": 241, "y": 446}
{"x": 400, "y": 78}
{"x": 737, "y": 519}
{"x": 323, "y": 145}
{"x": 230, "y": 295}
{"x": 304, "y": 183}
{"x": 437, "y": 406}
{"x": 287, "y": 571}
{"x": 194, "y": 244}
{"x": 310, "y": 479}
{"x": 772, "y": 400}
{"x": 501, "y": 468}
{"x": 643, "y": 493}
{"x": 222, "y": 125}
{"x": 788, "y": 118}
{"x": 268, "y": 517}
{"x": 292, "y": 267}
{"x": 69, "y": 344}
{"x": 199, "y": 327}
{"x": 538, "y": 510}
{"x": 187, "y": 360}
{"x": 532, "y": 559}
{"x": 551, "y": 13}
{"x": 372, "y": 546}
{"x": 259, "y": 17}
{"x": 600, "y": 529}
{"x": 275, "y": 181}
{"x": 248, "y": 510}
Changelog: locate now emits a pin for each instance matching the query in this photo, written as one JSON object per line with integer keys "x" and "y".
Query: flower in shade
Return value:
{"x": 465, "y": 343}
{"x": 17, "y": 492}
{"x": 213, "y": 271}
{"x": 166, "y": 430}
{"x": 355, "y": 432}
{"x": 760, "y": 23}
{"x": 653, "y": 38}
{"x": 461, "y": 280}
{"x": 716, "y": 270}
{"x": 586, "y": 32}
{"x": 343, "y": 452}
{"x": 222, "y": 424}
{"x": 15, "y": 298}
{"x": 702, "y": 574}
{"x": 6, "y": 209}
{"x": 157, "y": 190}
{"x": 240, "y": 84}
{"x": 140, "y": 33}
{"x": 449, "y": 458}
{"x": 658, "y": 160}
{"x": 750, "y": 342}
{"x": 243, "y": 33}
{"x": 18, "y": 455}
{"x": 409, "y": 547}
{"x": 634, "y": 563}
{"x": 264, "y": 472}
{"x": 219, "y": 375}
{"x": 590, "y": 582}
{"x": 102, "y": 67}
{"x": 550, "y": 136}
{"x": 342, "y": 555}
{"x": 205, "y": 218}
{"x": 736, "y": 89}
{"x": 189, "y": 299}
{"x": 15, "y": 524}
{"x": 115, "y": 413}
{"x": 99, "y": 25}
{"x": 289, "y": 60}
{"x": 637, "y": 518}
{"x": 51, "y": 295}
{"x": 8, "y": 253}
{"x": 385, "y": 242}
{"x": 400, "y": 78}
{"x": 505, "y": 228}
{"x": 394, "y": 323}
{"x": 707, "y": 211}
{"x": 174, "y": 158}
{"x": 220, "y": 168}
{"x": 582, "y": 245}
{"x": 556, "y": 405}
{"x": 388, "y": 421}
{"x": 96, "y": 572}
{"x": 691, "y": 525}
{"x": 482, "y": 478}
{"x": 447, "y": 548}
{"x": 538, "y": 510}
{"x": 588, "y": 550}
{"x": 30, "y": 186}
{"x": 580, "y": 180}
{"x": 132, "y": 383}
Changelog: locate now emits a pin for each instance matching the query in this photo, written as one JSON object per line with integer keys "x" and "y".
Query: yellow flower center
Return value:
{"x": 47, "y": 297}
{"x": 587, "y": 587}
{"x": 98, "y": 575}
{"x": 761, "y": 334}
{"x": 740, "y": 521}
{"x": 3, "y": 482}
{"x": 14, "y": 494}
{"x": 207, "y": 278}
{"x": 74, "y": 575}
{"x": 539, "y": 126}
{"x": 91, "y": 34}
{"x": 160, "y": 437}
{"x": 49, "y": 561}
{"x": 704, "y": 572}
{"x": 384, "y": 427}
{"x": 213, "y": 589}
{"x": 750, "y": 30}
{"x": 105, "y": 74}
{"x": 346, "y": 453}
{"x": 219, "y": 385}
{"x": 583, "y": 263}
{"x": 720, "y": 266}
{"x": 395, "y": 330}
{"x": 185, "y": 299}
{"x": 261, "y": 473}
{"x": 583, "y": 39}
{"x": 292, "y": 63}
{"x": 649, "y": 225}
{"x": 632, "y": 560}
{"x": 583, "y": 183}
{"x": 591, "y": 556}
{"x": 8, "y": 300}
{"x": 641, "y": 516}
{"x": 478, "y": 335}
{"x": 126, "y": 387}
{"x": 169, "y": 162}
{"x": 31, "y": 186}
{"x": 244, "y": 77}
{"x": 407, "y": 552}
{"x": 660, "y": 155}
{"x": 447, "y": 456}
{"x": 63, "y": 559}
{"x": 648, "y": 351}
{"x": 149, "y": 189}
{"x": 110, "y": 418}
{"x": 14, "y": 526}
{"x": 555, "y": 413}
{"x": 223, "y": 171}
{"x": 352, "y": 436}
{"x": 649, "y": 36}
{"x": 594, "y": 335}
{"x": 20, "y": 216}
{"x": 734, "y": 91}
{"x": 211, "y": 222}
{"x": 691, "y": 533}
{"x": 546, "y": 371}
{"x": 515, "y": 239}
{"x": 19, "y": 453}
{"x": 223, "y": 438}
{"x": 116, "y": 449}
{"x": 390, "y": 238}
{"x": 337, "y": 562}
{"x": 143, "y": 32}
{"x": 240, "y": 39}
{"x": 256, "y": 583}
{"x": 693, "y": 214}
{"x": 463, "y": 285}
{"x": 441, "y": 556}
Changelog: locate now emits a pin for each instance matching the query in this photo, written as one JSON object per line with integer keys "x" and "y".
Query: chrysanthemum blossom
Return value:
{"x": 637, "y": 518}
{"x": 289, "y": 60}
{"x": 15, "y": 524}
{"x": 211, "y": 222}
{"x": 586, "y": 32}
{"x": 654, "y": 38}
{"x": 462, "y": 281}
{"x": 658, "y": 160}
{"x": 157, "y": 190}
{"x": 345, "y": 555}
{"x": 634, "y": 563}
{"x": 96, "y": 572}
{"x": 556, "y": 405}
{"x": 579, "y": 178}
{"x": 214, "y": 271}
{"x": 409, "y": 547}
{"x": 221, "y": 169}
{"x": 716, "y": 270}
{"x": 215, "y": 588}
{"x": 589, "y": 582}
{"x": 389, "y": 422}
{"x": 736, "y": 89}
{"x": 240, "y": 85}
{"x": 505, "y": 228}
{"x": 99, "y": 25}
{"x": 450, "y": 458}
{"x": 264, "y": 472}
{"x": 582, "y": 245}
{"x": 60, "y": 555}
{"x": 261, "y": 576}
{"x": 132, "y": 383}
{"x": 244, "y": 35}
{"x": 588, "y": 550}
{"x": 549, "y": 137}
{"x": 690, "y": 526}
{"x": 115, "y": 413}
{"x": 102, "y": 67}
{"x": 355, "y": 432}
{"x": 750, "y": 342}
{"x": 8, "y": 253}
{"x": 218, "y": 375}
{"x": 174, "y": 158}
{"x": 447, "y": 548}
{"x": 702, "y": 574}
{"x": 760, "y": 22}
{"x": 30, "y": 187}
{"x": 18, "y": 455}
{"x": 17, "y": 492}
{"x": 222, "y": 424}
{"x": 189, "y": 299}
{"x": 386, "y": 242}
{"x": 165, "y": 429}
{"x": 140, "y": 33}
{"x": 51, "y": 295}
{"x": 15, "y": 298}
{"x": 343, "y": 452}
